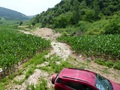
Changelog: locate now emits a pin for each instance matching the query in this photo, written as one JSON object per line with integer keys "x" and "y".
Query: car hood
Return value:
{"x": 116, "y": 86}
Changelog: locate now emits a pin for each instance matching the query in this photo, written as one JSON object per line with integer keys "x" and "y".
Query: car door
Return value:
{"x": 73, "y": 85}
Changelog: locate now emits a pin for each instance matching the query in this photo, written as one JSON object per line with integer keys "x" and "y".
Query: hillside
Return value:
{"x": 81, "y": 13}
{"x": 11, "y": 14}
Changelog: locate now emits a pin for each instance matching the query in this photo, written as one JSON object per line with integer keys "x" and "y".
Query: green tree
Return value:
{"x": 89, "y": 15}
{"x": 96, "y": 9}
{"x": 76, "y": 12}
{"x": 61, "y": 22}
{"x": 20, "y": 23}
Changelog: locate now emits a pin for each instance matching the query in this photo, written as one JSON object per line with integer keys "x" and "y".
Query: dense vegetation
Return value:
{"x": 75, "y": 12}
{"x": 16, "y": 47}
{"x": 11, "y": 14}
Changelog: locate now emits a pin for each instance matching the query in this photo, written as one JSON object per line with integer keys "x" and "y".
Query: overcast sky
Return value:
{"x": 29, "y": 7}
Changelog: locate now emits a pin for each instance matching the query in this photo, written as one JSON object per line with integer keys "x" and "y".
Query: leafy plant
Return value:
{"x": 113, "y": 27}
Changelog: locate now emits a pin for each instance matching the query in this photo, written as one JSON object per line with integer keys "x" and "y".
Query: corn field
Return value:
{"x": 95, "y": 45}
{"x": 16, "y": 47}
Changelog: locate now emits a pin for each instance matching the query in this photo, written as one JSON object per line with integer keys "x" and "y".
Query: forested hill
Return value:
{"x": 70, "y": 12}
{"x": 12, "y": 15}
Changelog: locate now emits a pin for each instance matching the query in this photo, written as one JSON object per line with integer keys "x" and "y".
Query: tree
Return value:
{"x": 96, "y": 9}
{"x": 89, "y": 15}
{"x": 21, "y": 22}
{"x": 88, "y": 2}
{"x": 33, "y": 23}
{"x": 76, "y": 12}
{"x": 61, "y": 22}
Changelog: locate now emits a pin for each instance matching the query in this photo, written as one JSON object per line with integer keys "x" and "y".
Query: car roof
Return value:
{"x": 79, "y": 75}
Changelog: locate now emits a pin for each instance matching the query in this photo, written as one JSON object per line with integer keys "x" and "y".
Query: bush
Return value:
{"x": 89, "y": 15}
{"x": 117, "y": 65}
{"x": 62, "y": 21}
{"x": 109, "y": 64}
{"x": 112, "y": 28}
{"x": 97, "y": 28}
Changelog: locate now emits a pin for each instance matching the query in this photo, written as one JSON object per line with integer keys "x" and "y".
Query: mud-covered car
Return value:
{"x": 77, "y": 79}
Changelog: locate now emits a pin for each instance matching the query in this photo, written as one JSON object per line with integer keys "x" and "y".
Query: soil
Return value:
{"x": 64, "y": 51}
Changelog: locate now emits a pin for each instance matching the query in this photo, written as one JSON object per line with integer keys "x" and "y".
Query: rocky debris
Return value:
{"x": 43, "y": 64}
{"x": 44, "y": 33}
{"x": 1, "y": 70}
{"x": 33, "y": 79}
{"x": 26, "y": 32}
{"x": 61, "y": 49}
{"x": 19, "y": 78}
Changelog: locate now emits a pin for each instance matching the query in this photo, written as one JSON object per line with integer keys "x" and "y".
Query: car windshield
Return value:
{"x": 102, "y": 83}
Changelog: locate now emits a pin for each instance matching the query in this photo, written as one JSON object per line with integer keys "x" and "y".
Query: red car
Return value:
{"x": 77, "y": 79}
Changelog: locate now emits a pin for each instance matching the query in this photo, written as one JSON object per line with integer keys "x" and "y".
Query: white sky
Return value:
{"x": 29, "y": 7}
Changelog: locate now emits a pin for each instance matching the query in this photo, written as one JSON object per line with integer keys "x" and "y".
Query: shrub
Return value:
{"x": 117, "y": 65}
{"x": 89, "y": 15}
{"x": 113, "y": 27}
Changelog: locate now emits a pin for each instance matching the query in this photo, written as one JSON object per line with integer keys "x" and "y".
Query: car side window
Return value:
{"x": 59, "y": 80}
{"x": 77, "y": 86}
{"x": 72, "y": 85}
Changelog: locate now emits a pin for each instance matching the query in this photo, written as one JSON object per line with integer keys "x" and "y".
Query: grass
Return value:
{"x": 31, "y": 65}
{"x": 53, "y": 66}
{"x": 30, "y": 72}
{"x": 38, "y": 59}
{"x": 1, "y": 87}
{"x": 110, "y": 64}
{"x": 19, "y": 82}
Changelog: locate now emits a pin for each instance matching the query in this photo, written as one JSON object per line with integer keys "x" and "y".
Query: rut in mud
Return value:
{"x": 63, "y": 51}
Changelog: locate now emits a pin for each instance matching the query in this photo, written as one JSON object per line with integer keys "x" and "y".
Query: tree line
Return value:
{"x": 71, "y": 12}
